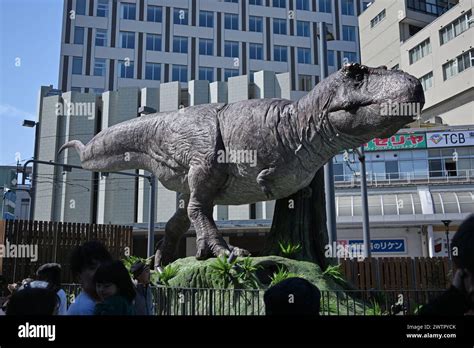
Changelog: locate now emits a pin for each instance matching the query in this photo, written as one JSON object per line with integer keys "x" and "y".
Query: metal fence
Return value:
{"x": 170, "y": 301}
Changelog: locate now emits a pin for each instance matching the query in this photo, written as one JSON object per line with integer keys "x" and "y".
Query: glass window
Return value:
{"x": 180, "y": 16}
{"x": 81, "y": 7}
{"x": 153, "y": 42}
{"x": 206, "y": 47}
{"x": 230, "y": 73}
{"x": 78, "y": 35}
{"x": 102, "y": 8}
{"x": 390, "y": 205}
{"x": 231, "y": 49}
{"x": 427, "y": 81}
{"x": 180, "y": 44}
{"x": 325, "y": 6}
{"x": 256, "y": 24}
{"x": 348, "y": 33}
{"x": 302, "y": 28}
{"x": 349, "y": 57}
{"x": 99, "y": 67}
{"x": 180, "y": 73}
{"x": 305, "y": 83}
{"x": 101, "y": 37}
{"x": 450, "y": 69}
{"x": 391, "y": 169}
{"x": 153, "y": 71}
{"x": 279, "y": 26}
{"x": 206, "y": 73}
{"x": 377, "y": 19}
{"x": 279, "y": 3}
{"x": 128, "y": 11}
{"x": 455, "y": 28}
{"x": 420, "y": 51}
{"x": 256, "y": 51}
{"x": 331, "y": 58}
{"x": 280, "y": 53}
{"x": 302, "y": 5}
{"x": 154, "y": 14}
{"x": 127, "y": 39}
{"x": 304, "y": 55}
{"x": 255, "y": 2}
{"x": 338, "y": 172}
{"x": 231, "y": 21}
{"x": 436, "y": 168}
{"x": 77, "y": 65}
{"x": 126, "y": 69}
{"x": 348, "y": 7}
{"x": 206, "y": 19}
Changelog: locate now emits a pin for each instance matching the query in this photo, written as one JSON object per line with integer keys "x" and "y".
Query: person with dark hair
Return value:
{"x": 51, "y": 273}
{"x": 459, "y": 298}
{"x": 115, "y": 289}
{"x": 84, "y": 261}
{"x": 33, "y": 298}
{"x": 292, "y": 296}
{"x": 144, "y": 297}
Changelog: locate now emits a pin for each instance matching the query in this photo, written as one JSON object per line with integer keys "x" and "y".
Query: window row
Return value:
{"x": 180, "y": 15}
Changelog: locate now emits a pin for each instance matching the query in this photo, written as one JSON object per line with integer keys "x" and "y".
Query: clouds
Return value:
{"x": 11, "y": 112}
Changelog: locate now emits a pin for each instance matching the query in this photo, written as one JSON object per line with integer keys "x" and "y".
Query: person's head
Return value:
{"x": 292, "y": 296}
{"x": 33, "y": 298}
{"x": 462, "y": 251}
{"x": 85, "y": 260}
{"x": 462, "y": 245}
{"x": 51, "y": 273}
{"x": 141, "y": 272}
{"x": 111, "y": 279}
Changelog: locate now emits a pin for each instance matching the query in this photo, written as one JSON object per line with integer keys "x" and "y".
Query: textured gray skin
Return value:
{"x": 292, "y": 141}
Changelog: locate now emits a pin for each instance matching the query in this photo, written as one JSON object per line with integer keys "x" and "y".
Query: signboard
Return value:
{"x": 398, "y": 142}
{"x": 450, "y": 139}
{"x": 384, "y": 245}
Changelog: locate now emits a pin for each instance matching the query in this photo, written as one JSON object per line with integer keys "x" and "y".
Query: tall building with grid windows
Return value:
{"x": 107, "y": 44}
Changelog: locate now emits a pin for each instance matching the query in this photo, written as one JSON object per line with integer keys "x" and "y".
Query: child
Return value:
{"x": 144, "y": 297}
{"x": 33, "y": 298}
{"x": 115, "y": 289}
{"x": 51, "y": 273}
{"x": 85, "y": 260}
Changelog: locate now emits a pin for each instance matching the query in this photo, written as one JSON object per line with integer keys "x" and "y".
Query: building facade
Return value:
{"x": 108, "y": 44}
{"x": 432, "y": 40}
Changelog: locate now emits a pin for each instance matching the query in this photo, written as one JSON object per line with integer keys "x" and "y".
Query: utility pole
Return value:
{"x": 328, "y": 167}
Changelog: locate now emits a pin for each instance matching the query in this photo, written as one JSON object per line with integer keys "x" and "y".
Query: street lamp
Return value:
{"x": 31, "y": 124}
{"x": 446, "y": 224}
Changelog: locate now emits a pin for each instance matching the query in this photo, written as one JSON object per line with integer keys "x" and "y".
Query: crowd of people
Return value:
{"x": 107, "y": 288}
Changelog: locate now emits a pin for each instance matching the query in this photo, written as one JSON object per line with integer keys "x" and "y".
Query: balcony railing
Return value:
{"x": 428, "y": 8}
{"x": 389, "y": 179}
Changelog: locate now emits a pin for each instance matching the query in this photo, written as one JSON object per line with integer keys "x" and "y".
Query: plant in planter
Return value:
{"x": 288, "y": 249}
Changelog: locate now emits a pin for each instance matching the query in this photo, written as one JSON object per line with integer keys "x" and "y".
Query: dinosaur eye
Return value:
{"x": 359, "y": 76}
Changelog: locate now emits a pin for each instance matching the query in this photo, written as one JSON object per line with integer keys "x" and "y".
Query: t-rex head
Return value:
{"x": 369, "y": 102}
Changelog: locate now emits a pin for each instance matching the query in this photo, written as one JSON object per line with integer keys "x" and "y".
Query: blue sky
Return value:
{"x": 31, "y": 31}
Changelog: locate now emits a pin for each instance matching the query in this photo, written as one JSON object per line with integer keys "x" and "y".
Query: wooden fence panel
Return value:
{"x": 55, "y": 242}
{"x": 398, "y": 273}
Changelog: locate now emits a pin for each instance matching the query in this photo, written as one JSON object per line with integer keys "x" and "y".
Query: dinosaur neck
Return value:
{"x": 320, "y": 140}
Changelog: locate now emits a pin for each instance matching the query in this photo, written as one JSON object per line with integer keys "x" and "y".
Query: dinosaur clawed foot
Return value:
{"x": 166, "y": 252}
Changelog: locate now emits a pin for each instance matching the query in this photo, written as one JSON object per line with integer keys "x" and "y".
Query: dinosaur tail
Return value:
{"x": 76, "y": 144}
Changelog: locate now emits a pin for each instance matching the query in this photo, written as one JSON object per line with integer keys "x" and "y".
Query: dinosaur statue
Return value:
{"x": 291, "y": 140}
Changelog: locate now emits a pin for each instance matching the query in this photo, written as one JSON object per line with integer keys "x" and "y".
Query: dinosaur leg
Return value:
{"x": 204, "y": 184}
{"x": 174, "y": 229}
